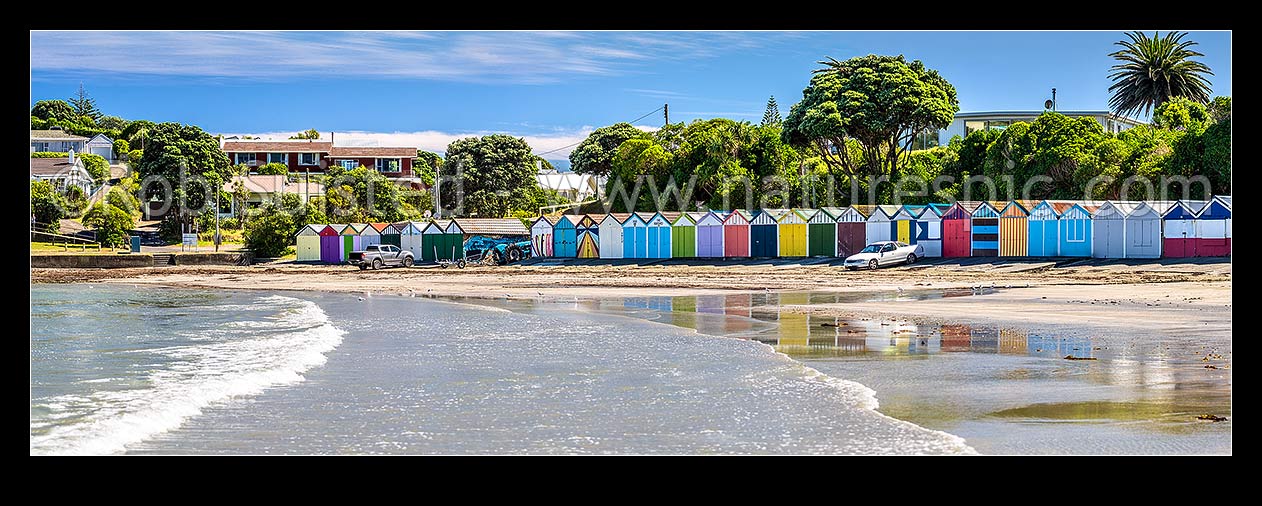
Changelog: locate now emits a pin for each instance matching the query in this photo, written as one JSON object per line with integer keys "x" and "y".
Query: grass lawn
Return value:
{"x": 46, "y": 247}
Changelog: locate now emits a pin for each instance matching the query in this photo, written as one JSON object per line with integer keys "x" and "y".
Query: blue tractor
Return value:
{"x": 496, "y": 250}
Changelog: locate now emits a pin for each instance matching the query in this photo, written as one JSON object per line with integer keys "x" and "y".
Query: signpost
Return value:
{"x": 190, "y": 241}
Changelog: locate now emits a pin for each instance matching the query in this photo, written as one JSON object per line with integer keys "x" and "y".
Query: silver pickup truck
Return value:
{"x": 380, "y": 255}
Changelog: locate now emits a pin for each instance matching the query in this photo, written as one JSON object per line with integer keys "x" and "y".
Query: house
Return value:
{"x": 100, "y": 145}
{"x": 575, "y": 187}
{"x": 62, "y": 172}
{"x": 298, "y": 155}
{"x": 969, "y": 122}
{"x": 56, "y": 140}
{"x": 269, "y": 189}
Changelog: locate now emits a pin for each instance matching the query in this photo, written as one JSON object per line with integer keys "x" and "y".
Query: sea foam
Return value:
{"x": 276, "y": 351}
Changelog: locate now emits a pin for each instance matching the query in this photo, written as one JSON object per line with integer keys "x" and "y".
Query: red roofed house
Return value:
{"x": 315, "y": 156}
{"x": 299, "y": 155}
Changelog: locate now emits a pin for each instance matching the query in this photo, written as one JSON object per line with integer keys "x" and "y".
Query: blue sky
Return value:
{"x": 428, "y": 88}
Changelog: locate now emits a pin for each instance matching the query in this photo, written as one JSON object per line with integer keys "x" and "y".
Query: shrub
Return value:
{"x": 269, "y": 231}
{"x": 121, "y": 148}
{"x": 274, "y": 169}
{"x": 134, "y": 155}
{"x": 47, "y": 206}
{"x": 96, "y": 166}
{"x": 111, "y": 223}
{"x": 120, "y": 198}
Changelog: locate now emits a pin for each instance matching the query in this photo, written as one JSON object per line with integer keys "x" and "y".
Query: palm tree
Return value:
{"x": 1153, "y": 70}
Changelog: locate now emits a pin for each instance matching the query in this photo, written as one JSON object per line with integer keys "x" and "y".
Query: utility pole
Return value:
{"x": 666, "y": 112}
{"x": 438, "y": 202}
{"x": 216, "y": 222}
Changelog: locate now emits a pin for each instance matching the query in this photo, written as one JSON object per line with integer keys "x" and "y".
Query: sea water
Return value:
{"x": 117, "y": 369}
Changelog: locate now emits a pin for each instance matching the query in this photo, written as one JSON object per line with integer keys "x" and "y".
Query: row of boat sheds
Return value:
{"x": 429, "y": 241}
{"x": 1047, "y": 228}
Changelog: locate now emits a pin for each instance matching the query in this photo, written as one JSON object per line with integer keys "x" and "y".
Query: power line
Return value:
{"x": 580, "y": 142}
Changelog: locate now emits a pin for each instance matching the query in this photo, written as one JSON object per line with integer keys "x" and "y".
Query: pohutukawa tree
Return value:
{"x": 880, "y": 102}
{"x": 1154, "y": 70}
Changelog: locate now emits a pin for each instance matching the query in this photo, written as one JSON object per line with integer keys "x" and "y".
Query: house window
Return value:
{"x": 281, "y": 158}
{"x": 973, "y": 126}
{"x": 997, "y": 125}
{"x": 245, "y": 158}
{"x": 350, "y": 164}
{"x": 387, "y": 165}
{"x": 308, "y": 159}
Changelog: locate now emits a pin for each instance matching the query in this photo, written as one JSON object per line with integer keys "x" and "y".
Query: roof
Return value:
{"x": 294, "y": 146}
{"x": 1035, "y": 114}
{"x": 103, "y": 137}
{"x": 364, "y": 151}
{"x": 1226, "y": 199}
{"x": 617, "y": 217}
{"x": 302, "y": 188}
{"x": 492, "y": 226}
{"x": 46, "y": 167}
{"x": 258, "y": 183}
{"x": 568, "y": 181}
{"x": 55, "y": 135}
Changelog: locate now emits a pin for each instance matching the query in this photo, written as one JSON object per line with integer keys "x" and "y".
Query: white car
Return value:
{"x": 884, "y": 253}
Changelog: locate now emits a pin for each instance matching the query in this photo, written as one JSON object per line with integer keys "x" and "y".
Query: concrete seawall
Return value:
{"x": 92, "y": 261}
{"x": 234, "y": 258}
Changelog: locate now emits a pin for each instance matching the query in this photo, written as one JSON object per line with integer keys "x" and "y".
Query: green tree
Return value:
{"x": 361, "y": 195}
{"x": 595, "y": 154}
{"x": 269, "y": 231}
{"x": 1220, "y": 108}
{"x": 191, "y": 161}
{"x": 1153, "y": 70}
{"x": 426, "y": 165}
{"x": 134, "y": 156}
{"x": 879, "y": 101}
{"x": 121, "y": 148}
{"x": 122, "y": 199}
{"x": 312, "y": 134}
{"x": 57, "y": 110}
{"x": 274, "y": 169}
{"x": 84, "y": 105}
{"x": 137, "y": 133}
{"x": 494, "y": 174}
{"x": 47, "y": 205}
{"x": 111, "y": 223}
{"x": 112, "y": 123}
{"x": 634, "y": 159}
{"x": 772, "y": 115}
{"x": 96, "y": 166}
{"x": 1180, "y": 113}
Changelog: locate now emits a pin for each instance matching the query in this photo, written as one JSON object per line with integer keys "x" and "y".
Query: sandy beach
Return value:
{"x": 1158, "y": 295}
{"x": 1158, "y": 333}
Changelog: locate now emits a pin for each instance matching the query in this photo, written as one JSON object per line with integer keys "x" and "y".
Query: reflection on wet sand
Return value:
{"x": 1004, "y": 389}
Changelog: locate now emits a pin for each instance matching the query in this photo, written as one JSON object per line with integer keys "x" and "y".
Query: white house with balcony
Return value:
{"x": 968, "y": 122}
{"x": 575, "y": 187}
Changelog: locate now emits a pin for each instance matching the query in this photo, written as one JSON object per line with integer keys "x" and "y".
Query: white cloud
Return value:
{"x": 518, "y": 57}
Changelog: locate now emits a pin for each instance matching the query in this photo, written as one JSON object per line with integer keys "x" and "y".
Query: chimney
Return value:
{"x": 71, "y": 153}
{"x": 331, "y": 137}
